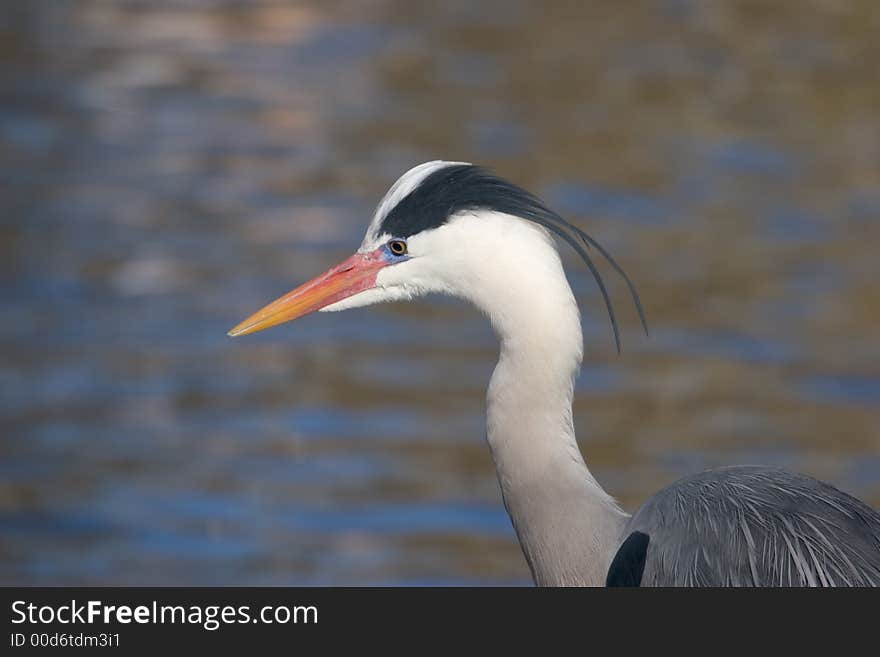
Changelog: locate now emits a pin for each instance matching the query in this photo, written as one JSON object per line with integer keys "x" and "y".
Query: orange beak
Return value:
{"x": 356, "y": 274}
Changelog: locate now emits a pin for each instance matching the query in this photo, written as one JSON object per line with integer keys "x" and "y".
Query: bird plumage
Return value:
{"x": 755, "y": 526}
{"x": 460, "y": 230}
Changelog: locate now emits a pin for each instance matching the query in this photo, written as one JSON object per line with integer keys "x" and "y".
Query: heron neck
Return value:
{"x": 567, "y": 525}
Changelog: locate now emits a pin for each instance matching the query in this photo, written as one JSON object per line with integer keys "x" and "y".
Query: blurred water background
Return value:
{"x": 166, "y": 167}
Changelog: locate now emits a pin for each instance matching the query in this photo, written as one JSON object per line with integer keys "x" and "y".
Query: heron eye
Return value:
{"x": 397, "y": 247}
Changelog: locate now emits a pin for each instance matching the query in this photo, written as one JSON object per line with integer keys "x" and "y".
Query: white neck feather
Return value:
{"x": 509, "y": 268}
{"x": 568, "y": 526}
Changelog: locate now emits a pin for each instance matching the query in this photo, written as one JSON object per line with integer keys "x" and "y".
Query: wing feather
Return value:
{"x": 757, "y": 526}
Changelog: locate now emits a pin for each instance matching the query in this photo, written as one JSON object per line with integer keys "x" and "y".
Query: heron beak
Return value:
{"x": 356, "y": 274}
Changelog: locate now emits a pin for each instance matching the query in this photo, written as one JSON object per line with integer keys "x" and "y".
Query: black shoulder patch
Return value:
{"x": 628, "y": 565}
{"x": 453, "y": 189}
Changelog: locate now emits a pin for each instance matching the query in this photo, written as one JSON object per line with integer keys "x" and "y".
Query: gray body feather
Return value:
{"x": 754, "y": 526}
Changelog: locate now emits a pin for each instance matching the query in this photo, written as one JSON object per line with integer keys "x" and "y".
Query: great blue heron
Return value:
{"x": 456, "y": 229}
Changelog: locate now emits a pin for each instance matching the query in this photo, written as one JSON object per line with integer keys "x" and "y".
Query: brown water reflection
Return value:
{"x": 168, "y": 166}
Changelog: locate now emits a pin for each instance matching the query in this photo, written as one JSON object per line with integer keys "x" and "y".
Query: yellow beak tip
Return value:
{"x": 354, "y": 275}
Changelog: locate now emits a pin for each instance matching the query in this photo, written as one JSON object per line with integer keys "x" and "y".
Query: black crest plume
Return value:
{"x": 461, "y": 187}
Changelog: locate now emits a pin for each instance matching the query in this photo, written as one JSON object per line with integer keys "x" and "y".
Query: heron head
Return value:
{"x": 447, "y": 227}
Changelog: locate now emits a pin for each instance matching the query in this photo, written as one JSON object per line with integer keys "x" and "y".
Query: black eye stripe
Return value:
{"x": 461, "y": 187}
